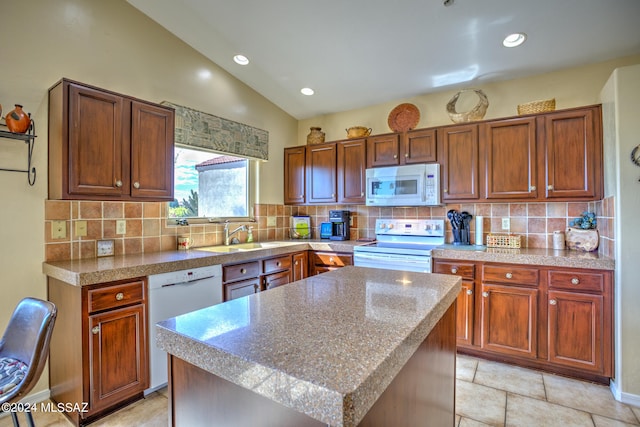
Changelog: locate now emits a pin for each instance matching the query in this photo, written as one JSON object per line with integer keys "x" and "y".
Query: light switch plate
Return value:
{"x": 81, "y": 228}
{"x": 121, "y": 226}
{"x": 58, "y": 229}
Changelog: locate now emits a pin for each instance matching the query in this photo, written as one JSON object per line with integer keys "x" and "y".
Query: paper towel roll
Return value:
{"x": 479, "y": 230}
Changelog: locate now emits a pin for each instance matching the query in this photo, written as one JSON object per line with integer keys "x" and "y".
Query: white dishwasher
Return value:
{"x": 170, "y": 295}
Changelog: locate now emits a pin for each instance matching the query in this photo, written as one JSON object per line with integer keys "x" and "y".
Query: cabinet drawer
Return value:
{"x": 240, "y": 271}
{"x": 576, "y": 281}
{"x": 509, "y": 274}
{"x": 115, "y": 296}
{"x": 276, "y": 264}
{"x": 467, "y": 271}
{"x": 332, "y": 259}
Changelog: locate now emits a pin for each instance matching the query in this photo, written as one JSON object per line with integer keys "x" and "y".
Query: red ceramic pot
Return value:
{"x": 17, "y": 120}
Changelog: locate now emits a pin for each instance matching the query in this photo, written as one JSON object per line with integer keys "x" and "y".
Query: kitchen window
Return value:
{"x": 211, "y": 187}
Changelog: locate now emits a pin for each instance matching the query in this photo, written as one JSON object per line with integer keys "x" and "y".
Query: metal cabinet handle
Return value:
{"x": 553, "y": 302}
{"x": 549, "y": 187}
{"x": 136, "y": 185}
{"x": 119, "y": 296}
{"x": 295, "y": 263}
{"x": 278, "y": 264}
{"x": 333, "y": 195}
{"x": 406, "y": 155}
{"x": 469, "y": 292}
{"x": 532, "y": 188}
{"x": 508, "y": 275}
{"x": 485, "y": 294}
{"x": 575, "y": 281}
{"x": 362, "y": 194}
{"x": 395, "y": 156}
{"x": 243, "y": 271}
{"x": 118, "y": 183}
{"x": 331, "y": 259}
{"x": 95, "y": 330}
{"x": 454, "y": 270}
{"x": 445, "y": 191}
{"x": 301, "y": 196}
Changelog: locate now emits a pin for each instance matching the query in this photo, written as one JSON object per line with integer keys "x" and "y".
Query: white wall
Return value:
{"x": 620, "y": 103}
{"x": 109, "y": 44}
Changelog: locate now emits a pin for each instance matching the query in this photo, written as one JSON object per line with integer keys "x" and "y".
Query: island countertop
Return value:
{"x": 326, "y": 346}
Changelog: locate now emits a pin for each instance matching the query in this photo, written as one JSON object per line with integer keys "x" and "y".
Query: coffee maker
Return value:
{"x": 339, "y": 225}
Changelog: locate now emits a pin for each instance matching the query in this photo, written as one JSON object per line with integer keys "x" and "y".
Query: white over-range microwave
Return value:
{"x": 410, "y": 185}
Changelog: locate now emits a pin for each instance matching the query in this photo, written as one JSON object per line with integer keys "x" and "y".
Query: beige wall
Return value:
{"x": 112, "y": 45}
{"x": 572, "y": 87}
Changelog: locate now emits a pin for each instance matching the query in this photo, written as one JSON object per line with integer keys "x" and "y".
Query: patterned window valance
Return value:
{"x": 203, "y": 130}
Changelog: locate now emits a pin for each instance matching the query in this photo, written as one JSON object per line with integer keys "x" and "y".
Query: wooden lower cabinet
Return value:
{"x": 551, "y": 318}
{"x": 300, "y": 269}
{"x": 323, "y": 262}
{"x": 509, "y": 321}
{"x": 99, "y": 353}
{"x": 241, "y": 289}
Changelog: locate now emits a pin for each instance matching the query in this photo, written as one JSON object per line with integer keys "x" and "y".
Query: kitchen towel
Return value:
{"x": 479, "y": 230}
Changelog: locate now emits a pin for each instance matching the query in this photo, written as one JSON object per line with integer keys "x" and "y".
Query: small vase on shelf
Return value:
{"x": 17, "y": 120}
{"x": 316, "y": 136}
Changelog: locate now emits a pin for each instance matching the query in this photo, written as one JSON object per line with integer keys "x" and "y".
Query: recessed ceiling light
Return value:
{"x": 513, "y": 40}
{"x": 307, "y": 91}
{"x": 241, "y": 59}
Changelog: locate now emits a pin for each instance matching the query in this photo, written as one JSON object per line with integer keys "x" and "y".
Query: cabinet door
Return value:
{"x": 465, "y": 313}
{"x": 98, "y": 145}
{"x": 509, "y": 320}
{"x": 276, "y": 279}
{"x": 294, "y": 175}
{"x": 509, "y": 148}
{"x": 576, "y": 330}
{"x": 461, "y": 162}
{"x": 419, "y": 146}
{"x": 118, "y": 355}
{"x": 383, "y": 150}
{"x": 241, "y": 289}
{"x": 321, "y": 173}
{"x": 573, "y": 150}
{"x": 152, "y": 131}
{"x": 351, "y": 171}
{"x": 300, "y": 269}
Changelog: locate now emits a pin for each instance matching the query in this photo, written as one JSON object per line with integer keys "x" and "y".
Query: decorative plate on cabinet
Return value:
{"x": 404, "y": 117}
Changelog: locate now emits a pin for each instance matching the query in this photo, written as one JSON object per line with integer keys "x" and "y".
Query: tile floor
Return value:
{"x": 487, "y": 394}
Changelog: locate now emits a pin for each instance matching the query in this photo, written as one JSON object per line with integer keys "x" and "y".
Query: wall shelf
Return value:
{"x": 29, "y": 139}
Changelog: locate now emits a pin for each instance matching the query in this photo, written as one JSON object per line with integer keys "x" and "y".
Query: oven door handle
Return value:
{"x": 401, "y": 258}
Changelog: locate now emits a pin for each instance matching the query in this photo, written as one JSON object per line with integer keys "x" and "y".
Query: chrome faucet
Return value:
{"x": 228, "y": 234}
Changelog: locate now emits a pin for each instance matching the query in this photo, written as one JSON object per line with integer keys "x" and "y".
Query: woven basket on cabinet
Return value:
{"x": 534, "y": 107}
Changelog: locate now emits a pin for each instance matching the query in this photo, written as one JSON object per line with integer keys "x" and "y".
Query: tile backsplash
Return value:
{"x": 147, "y": 229}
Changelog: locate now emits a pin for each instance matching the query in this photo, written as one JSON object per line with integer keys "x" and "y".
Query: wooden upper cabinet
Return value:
{"x": 294, "y": 175}
{"x": 383, "y": 150}
{"x": 321, "y": 173}
{"x": 418, "y": 146}
{"x": 107, "y": 146}
{"x": 460, "y": 163}
{"x": 510, "y": 166}
{"x": 573, "y": 154}
{"x": 351, "y": 155}
{"x": 95, "y": 160}
{"x": 152, "y": 129}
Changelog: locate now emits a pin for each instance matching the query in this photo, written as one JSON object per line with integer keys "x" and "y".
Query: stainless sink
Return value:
{"x": 243, "y": 247}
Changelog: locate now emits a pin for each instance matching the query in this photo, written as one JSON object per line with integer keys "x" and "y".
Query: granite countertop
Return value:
{"x": 531, "y": 256}
{"x": 100, "y": 270}
{"x": 327, "y": 346}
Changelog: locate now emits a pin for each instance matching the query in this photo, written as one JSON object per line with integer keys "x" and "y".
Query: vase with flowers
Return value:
{"x": 582, "y": 234}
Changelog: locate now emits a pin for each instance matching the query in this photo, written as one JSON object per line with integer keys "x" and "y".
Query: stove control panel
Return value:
{"x": 410, "y": 227}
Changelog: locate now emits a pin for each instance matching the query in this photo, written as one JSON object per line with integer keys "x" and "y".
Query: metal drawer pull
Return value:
{"x": 118, "y": 183}
{"x": 549, "y": 187}
{"x": 95, "y": 330}
{"x": 532, "y": 188}
{"x": 136, "y": 185}
{"x": 485, "y": 294}
{"x": 395, "y": 156}
{"x": 296, "y": 263}
{"x": 278, "y": 264}
{"x": 454, "y": 270}
{"x": 119, "y": 296}
{"x": 508, "y": 275}
{"x": 553, "y": 302}
{"x": 575, "y": 281}
{"x": 243, "y": 271}
{"x": 330, "y": 259}
{"x": 406, "y": 155}
{"x": 469, "y": 292}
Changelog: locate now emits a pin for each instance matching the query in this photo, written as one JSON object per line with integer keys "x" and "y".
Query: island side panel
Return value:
{"x": 423, "y": 392}
{"x": 199, "y": 398}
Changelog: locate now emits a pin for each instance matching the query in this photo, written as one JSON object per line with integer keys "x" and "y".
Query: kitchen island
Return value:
{"x": 356, "y": 346}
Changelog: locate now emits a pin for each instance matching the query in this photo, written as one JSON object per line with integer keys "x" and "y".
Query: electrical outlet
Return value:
{"x": 506, "y": 223}
{"x": 121, "y": 226}
{"x": 271, "y": 221}
{"x": 58, "y": 229}
{"x": 81, "y": 228}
